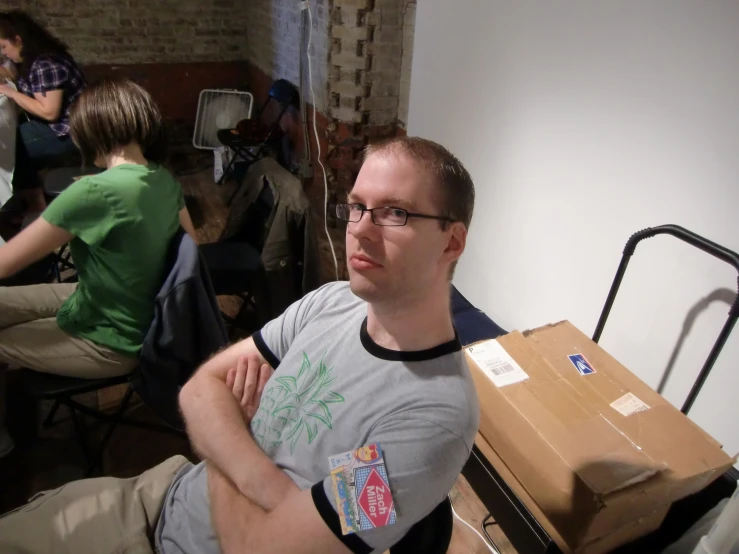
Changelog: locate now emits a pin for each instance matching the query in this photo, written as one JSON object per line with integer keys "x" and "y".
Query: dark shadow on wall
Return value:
{"x": 724, "y": 295}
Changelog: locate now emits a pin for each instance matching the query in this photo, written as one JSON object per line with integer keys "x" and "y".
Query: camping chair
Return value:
{"x": 252, "y": 138}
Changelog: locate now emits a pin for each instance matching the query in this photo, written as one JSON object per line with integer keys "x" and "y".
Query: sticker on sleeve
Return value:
{"x": 629, "y": 404}
{"x": 362, "y": 489}
{"x": 582, "y": 366}
{"x": 496, "y": 363}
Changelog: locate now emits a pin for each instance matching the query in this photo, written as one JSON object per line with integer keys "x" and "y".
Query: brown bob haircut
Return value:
{"x": 113, "y": 113}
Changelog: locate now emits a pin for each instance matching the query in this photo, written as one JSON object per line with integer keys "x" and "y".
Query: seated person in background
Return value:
{"x": 372, "y": 361}
{"x": 48, "y": 82}
{"x": 118, "y": 224}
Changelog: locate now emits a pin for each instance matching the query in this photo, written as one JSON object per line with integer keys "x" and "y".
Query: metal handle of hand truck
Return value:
{"x": 702, "y": 243}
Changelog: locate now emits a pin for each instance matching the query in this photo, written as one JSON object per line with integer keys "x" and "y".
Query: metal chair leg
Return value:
{"x": 227, "y": 171}
{"x": 98, "y": 460}
{"x": 79, "y": 430}
{"x": 49, "y": 419}
{"x": 488, "y": 521}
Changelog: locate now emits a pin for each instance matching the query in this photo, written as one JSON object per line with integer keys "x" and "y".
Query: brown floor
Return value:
{"x": 55, "y": 457}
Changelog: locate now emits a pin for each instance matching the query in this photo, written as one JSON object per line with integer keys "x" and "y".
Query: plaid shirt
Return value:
{"x": 54, "y": 72}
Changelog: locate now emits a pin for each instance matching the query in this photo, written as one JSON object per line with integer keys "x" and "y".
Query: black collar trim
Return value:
{"x": 410, "y": 355}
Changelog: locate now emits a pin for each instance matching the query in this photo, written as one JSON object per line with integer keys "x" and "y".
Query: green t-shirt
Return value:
{"x": 122, "y": 220}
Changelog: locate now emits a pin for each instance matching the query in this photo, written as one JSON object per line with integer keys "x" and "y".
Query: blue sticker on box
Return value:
{"x": 582, "y": 366}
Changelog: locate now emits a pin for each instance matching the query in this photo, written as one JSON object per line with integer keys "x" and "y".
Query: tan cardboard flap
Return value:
{"x": 588, "y": 443}
{"x": 695, "y": 451}
{"x": 490, "y": 455}
{"x": 628, "y": 530}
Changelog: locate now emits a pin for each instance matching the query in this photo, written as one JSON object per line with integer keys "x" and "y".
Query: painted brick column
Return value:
{"x": 366, "y": 54}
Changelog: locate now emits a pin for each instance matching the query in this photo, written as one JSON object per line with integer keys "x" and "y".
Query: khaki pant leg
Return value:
{"x": 41, "y": 345}
{"x": 22, "y": 304}
{"x": 92, "y": 516}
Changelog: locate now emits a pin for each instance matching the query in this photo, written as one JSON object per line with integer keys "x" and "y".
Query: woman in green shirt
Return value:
{"x": 118, "y": 224}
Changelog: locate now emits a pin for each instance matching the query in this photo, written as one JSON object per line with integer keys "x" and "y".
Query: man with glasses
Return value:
{"x": 370, "y": 370}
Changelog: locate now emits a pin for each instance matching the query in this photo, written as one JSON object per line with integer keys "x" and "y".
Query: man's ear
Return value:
{"x": 457, "y": 241}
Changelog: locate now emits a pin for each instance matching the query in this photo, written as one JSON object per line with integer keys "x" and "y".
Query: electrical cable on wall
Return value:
{"x": 305, "y": 5}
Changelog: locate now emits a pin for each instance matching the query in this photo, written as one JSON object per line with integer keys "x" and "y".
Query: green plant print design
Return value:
{"x": 296, "y": 407}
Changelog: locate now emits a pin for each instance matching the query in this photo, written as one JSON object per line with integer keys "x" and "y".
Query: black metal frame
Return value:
{"x": 62, "y": 261}
{"x": 710, "y": 247}
{"x": 520, "y": 526}
{"x": 66, "y": 398}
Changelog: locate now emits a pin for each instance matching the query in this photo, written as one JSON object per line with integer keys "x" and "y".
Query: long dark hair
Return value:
{"x": 36, "y": 40}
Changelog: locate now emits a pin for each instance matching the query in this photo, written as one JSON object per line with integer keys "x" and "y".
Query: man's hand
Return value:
{"x": 247, "y": 381}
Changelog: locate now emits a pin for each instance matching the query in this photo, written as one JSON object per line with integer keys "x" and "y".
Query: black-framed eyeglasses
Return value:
{"x": 385, "y": 216}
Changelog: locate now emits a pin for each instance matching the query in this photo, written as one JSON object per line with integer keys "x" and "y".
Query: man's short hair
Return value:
{"x": 453, "y": 180}
{"x": 113, "y": 113}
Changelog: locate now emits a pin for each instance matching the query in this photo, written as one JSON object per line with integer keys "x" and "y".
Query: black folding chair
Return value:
{"x": 158, "y": 388}
{"x": 252, "y": 138}
{"x": 56, "y": 182}
{"x": 63, "y": 392}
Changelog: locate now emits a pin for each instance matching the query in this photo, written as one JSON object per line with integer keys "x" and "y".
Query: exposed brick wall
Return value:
{"x": 368, "y": 47}
{"x": 176, "y": 86}
{"x": 273, "y": 42}
{"x": 361, "y": 68}
{"x": 365, "y": 60}
{"x": 144, "y": 31}
{"x": 360, "y": 55}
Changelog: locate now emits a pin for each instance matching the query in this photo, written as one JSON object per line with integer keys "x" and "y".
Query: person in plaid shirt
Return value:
{"x": 48, "y": 82}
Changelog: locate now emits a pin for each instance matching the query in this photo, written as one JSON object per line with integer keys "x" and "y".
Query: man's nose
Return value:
{"x": 364, "y": 227}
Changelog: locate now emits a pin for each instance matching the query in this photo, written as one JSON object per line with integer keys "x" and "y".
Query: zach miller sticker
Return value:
{"x": 362, "y": 489}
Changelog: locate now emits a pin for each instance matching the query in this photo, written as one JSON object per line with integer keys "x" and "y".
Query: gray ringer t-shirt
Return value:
{"x": 334, "y": 390}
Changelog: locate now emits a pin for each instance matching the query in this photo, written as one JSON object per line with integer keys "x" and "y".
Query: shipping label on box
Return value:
{"x": 496, "y": 363}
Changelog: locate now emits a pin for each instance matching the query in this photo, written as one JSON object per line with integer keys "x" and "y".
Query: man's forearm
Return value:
{"x": 234, "y": 516}
{"x": 216, "y": 428}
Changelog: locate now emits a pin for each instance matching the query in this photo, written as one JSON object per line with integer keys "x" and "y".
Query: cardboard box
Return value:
{"x": 596, "y": 450}
{"x": 617, "y": 537}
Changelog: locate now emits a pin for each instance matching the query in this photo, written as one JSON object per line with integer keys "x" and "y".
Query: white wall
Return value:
{"x": 582, "y": 122}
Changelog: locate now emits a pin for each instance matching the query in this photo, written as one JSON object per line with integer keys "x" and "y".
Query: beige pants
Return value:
{"x": 92, "y": 516}
{"x": 31, "y": 338}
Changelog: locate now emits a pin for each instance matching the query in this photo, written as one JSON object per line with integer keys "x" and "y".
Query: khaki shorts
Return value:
{"x": 92, "y": 516}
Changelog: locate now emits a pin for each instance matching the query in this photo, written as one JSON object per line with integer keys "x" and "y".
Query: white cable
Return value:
{"x": 475, "y": 531}
{"x": 306, "y": 5}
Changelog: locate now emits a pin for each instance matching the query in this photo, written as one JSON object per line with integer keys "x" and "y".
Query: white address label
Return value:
{"x": 629, "y": 404}
{"x": 496, "y": 363}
